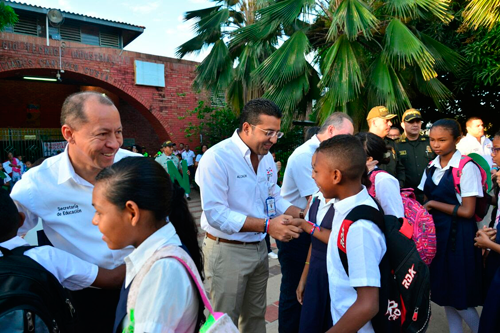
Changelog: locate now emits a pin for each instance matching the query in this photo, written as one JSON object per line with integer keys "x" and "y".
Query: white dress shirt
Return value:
{"x": 72, "y": 272}
{"x": 189, "y": 157}
{"x": 168, "y": 298}
{"x": 387, "y": 192}
{"x": 470, "y": 181}
{"x": 297, "y": 181}
{"x": 63, "y": 200}
{"x": 231, "y": 190}
{"x": 366, "y": 247}
{"x": 469, "y": 144}
{"x": 322, "y": 208}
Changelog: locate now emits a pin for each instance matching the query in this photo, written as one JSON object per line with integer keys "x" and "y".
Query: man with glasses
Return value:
{"x": 241, "y": 203}
{"x": 298, "y": 186}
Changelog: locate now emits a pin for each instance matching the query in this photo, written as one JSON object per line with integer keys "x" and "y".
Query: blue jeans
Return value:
{"x": 292, "y": 257}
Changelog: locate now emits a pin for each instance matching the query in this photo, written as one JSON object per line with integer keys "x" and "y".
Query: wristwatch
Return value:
{"x": 301, "y": 214}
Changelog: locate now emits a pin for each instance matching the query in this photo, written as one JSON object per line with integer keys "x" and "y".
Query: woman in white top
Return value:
{"x": 132, "y": 199}
{"x": 383, "y": 186}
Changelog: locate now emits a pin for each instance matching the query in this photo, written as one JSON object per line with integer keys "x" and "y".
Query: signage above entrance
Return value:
{"x": 149, "y": 74}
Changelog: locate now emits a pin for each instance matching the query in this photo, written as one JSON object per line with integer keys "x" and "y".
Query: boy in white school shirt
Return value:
{"x": 338, "y": 169}
{"x": 72, "y": 272}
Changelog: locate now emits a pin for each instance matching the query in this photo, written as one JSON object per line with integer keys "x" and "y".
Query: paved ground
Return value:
{"x": 438, "y": 322}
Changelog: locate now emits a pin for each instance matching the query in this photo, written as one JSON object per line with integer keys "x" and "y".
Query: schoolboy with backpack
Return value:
{"x": 34, "y": 281}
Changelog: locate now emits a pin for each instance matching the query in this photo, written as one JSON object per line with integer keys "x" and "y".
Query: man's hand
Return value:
{"x": 284, "y": 233}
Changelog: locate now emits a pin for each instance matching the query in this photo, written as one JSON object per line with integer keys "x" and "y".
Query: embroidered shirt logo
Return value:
{"x": 68, "y": 210}
{"x": 241, "y": 176}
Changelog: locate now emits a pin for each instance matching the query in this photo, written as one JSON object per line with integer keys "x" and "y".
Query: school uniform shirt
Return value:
{"x": 470, "y": 144}
{"x": 322, "y": 208}
{"x": 189, "y": 157}
{"x": 297, "y": 181}
{"x": 365, "y": 245}
{"x": 72, "y": 272}
{"x": 388, "y": 194}
{"x": 470, "y": 181}
{"x": 168, "y": 299}
{"x": 63, "y": 200}
{"x": 231, "y": 190}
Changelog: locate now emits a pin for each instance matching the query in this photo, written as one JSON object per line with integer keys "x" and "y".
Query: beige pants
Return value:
{"x": 236, "y": 278}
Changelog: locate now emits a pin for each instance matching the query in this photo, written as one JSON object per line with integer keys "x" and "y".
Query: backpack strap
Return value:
{"x": 18, "y": 251}
{"x": 170, "y": 251}
{"x": 313, "y": 210}
{"x": 371, "y": 175}
{"x": 362, "y": 212}
{"x": 457, "y": 172}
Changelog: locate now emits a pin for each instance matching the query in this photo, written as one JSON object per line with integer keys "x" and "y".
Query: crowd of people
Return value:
{"x": 106, "y": 211}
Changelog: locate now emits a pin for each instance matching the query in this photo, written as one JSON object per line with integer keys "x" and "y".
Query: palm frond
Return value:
{"x": 353, "y": 17}
{"x": 342, "y": 75}
{"x": 438, "y": 8}
{"x": 482, "y": 13}
{"x": 446, "y": 58}
{"x": 234, "y": 96}
{"x": 403, "y": 9}
{"x": 284, "y": 12}
{"x": 433, "y": 88}
{"x": 252, "y": 33}
{"x": 404, "y": 48}
{"x": 215, "y": 73}
{"x": 193, "y": 45}
{"x": 285, "y": 64}
{"x": 200, "y": 13}
{"x": 386, "y": 88}
{"x": 212, "y": 22}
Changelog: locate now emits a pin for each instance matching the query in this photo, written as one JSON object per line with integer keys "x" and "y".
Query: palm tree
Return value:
{"x": 482, "y": 13}
{"x": 366, "y": 53}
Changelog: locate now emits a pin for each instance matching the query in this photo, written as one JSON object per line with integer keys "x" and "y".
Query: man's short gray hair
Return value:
{"x": 73, "y": 113}
{"x": 336, "y": 120}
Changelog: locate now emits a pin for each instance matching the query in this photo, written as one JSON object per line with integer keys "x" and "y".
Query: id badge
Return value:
{"x": 270, "y": 207}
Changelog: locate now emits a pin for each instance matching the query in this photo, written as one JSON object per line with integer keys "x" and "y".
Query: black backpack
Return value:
{"x": 31, "y": 298}
{"x": 404, "y": 296}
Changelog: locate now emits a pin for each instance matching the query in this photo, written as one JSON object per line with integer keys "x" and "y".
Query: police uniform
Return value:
{"x": 413, "y": 156}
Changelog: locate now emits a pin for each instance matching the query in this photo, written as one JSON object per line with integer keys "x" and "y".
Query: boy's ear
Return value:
{"x": 336, "y": 176}
{"x": 22, "y": 217}
{"x": 133, "y": 212}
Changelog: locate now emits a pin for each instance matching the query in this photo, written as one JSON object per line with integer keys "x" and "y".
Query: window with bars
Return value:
{"x": 110, "y": 39}
{"x": 27, "y": 26}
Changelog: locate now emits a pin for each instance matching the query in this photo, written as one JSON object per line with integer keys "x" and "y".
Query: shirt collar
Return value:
{"x": 13, "y": 243}
{"x": 242, "y": 146}
{"x": 454, "y": 161}
{"x": 343, "y": 206}
{"x": 137, "y": 259}
{"x": 319, "y": 196}
{"x": 314, "y": 140}
{"x": 66, "y": 170}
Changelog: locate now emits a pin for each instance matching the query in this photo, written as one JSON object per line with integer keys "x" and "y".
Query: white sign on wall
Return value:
{"x": 149, "y": 73}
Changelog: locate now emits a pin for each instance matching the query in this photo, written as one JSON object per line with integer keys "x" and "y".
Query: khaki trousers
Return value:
{"x": 236, "y": 278}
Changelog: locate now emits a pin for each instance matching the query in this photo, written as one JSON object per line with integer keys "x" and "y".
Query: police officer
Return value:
{"x": 379, "y": 123}
{"x": 413, "y": 152}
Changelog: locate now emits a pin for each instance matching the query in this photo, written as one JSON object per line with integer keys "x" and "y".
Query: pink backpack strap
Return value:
{"x": 372, "y": 176}
{"x": 457, "y": 173}
{"x": 170, "y": 251}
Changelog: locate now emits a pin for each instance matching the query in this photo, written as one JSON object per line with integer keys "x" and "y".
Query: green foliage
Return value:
{"x": 215, "y": 124}
{"x": 484, "y": 55}
{"x": 482, "y": 13}
{"x": 7, "y": 16}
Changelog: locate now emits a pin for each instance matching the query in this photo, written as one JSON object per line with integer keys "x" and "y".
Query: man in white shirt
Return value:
{"x": 240, "y": 199}
{"x": 298, "y": 186}
{"x": 59, "y": 191}
{"x": 475, "y": 141}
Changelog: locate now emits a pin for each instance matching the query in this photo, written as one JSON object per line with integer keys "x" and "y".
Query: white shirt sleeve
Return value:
{"x": 212, "y": 177}
{"x": 23, "y": 197}
{"x": 72, "y": 272}
{"x": 470, "y": 181}
{"x": 388, "y": 194}
{"x": 6, "y": 179}
{"x": 167, "y": 300}
{"x": 422, "y": 182}
{"x": 365, "y": 249}
{"x": 301, "y": 169}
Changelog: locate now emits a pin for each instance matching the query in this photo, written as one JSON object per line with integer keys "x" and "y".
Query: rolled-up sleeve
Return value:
{"x": 212, "y": 178}
{"x": 23, "y": 197}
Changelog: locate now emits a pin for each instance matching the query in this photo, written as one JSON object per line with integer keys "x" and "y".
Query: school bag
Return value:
{"x": 31, "y": 298}
{"x": 217, "y": 322}
{"x": 404, "y": 295}
{"x": 420, "y": 228}
{"x": 482, "y": 204}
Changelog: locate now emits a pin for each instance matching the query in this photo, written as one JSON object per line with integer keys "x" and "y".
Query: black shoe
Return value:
{"x": 188, "y": 198}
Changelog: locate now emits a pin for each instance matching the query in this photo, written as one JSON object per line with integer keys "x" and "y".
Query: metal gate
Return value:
{"x": 31, "y": 143}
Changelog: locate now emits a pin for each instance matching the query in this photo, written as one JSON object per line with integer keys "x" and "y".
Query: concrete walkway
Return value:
{"x": 438, "y": 322}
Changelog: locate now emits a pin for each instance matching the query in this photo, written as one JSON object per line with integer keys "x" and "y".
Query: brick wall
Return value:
{"x": 150, "y": 114}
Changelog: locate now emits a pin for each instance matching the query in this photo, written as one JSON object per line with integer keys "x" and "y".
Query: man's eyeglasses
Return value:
{"x": 270, "y": 134}
{"x": 494, "y": 150}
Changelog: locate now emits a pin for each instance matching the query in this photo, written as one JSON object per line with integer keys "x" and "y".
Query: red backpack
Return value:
{"x": 422, "y": 230}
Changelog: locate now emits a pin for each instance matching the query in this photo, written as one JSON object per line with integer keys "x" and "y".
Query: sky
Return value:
{"x": 165, "y": 27}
